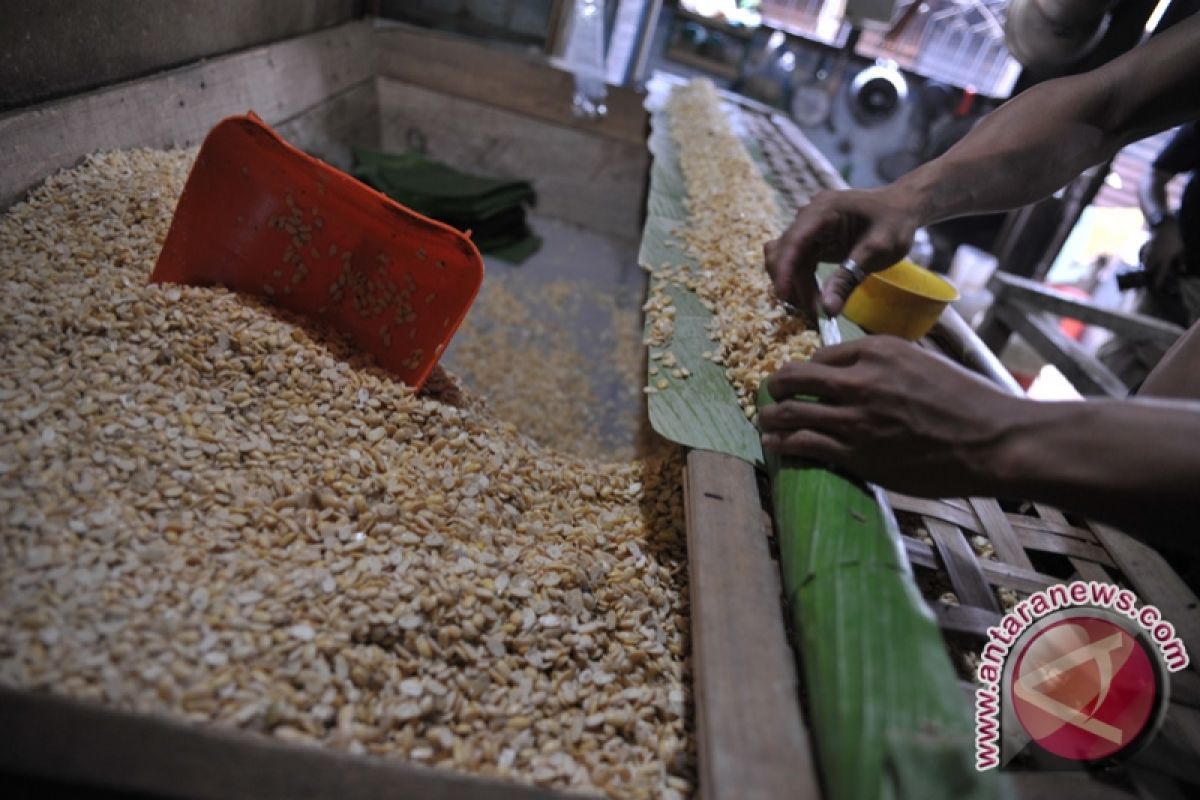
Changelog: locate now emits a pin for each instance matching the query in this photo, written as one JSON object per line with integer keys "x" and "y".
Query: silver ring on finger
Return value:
{"x": 856, "y": 272}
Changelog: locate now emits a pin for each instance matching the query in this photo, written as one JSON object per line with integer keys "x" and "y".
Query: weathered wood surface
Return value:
{"x": 1079, "y": 367}
{"x": 997, "y": 572}
{"x": 964, "y": 619}
{"x": 280, "y": 82}
{"x": 53, "y": 50}
{"x": 74, "y": 742}
{"x": 464, "y": 68}
{"x": 1156, "y": 583}
{"x": 594, "y": 181}
{"x": 1034, "y": 297}
{"x": 751, "y": 737}
{"x": 1000, "y": 530}
{"x": 966, "y": 575}
{"x": 330, "y": 129}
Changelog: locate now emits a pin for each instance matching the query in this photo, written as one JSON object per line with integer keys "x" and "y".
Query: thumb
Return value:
{"x": 837, "y": 288}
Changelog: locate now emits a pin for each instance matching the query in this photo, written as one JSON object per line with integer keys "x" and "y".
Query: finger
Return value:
{"x": 836, "y": 290}
{"x": 774, "y": 267}
{"x": 871, "y": 254}
{"x": 878, "y": 251}
{"x": 806, "y": 378}
{"x": 808, "y": 444}
{"x": 769, "y": 249}
{"x": 790, "y": 415}
{"x": 841, "y": 355}
{"x": 795, "y": 260}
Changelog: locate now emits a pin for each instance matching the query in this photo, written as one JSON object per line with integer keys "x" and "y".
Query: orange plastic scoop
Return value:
{"x": 259, "y": 216}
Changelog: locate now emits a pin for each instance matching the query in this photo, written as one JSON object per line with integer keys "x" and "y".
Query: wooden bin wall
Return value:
{"x": 321, "y": 92}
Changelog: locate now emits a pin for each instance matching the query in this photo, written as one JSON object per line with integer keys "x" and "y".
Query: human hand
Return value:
{"x": 893, "y": 414}
{"x": 1162, "y": 254}
{"x": 873, "y": 227}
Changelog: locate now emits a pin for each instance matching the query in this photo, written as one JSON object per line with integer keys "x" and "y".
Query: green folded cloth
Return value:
{"x": 493, "y": 209}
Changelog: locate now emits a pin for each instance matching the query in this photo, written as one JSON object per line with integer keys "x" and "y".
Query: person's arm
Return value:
{"x": 1152, "y": 195}
{"x": 1023, "y": 151}
{"x": 914, "y": 422}
{"x": 1164, "y": 251}
{"x": 1176, "y": 376}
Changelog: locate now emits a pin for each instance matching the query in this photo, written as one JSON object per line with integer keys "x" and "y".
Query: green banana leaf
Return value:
{"x": 700, "y": 411}
{"x": 887, "y": 715}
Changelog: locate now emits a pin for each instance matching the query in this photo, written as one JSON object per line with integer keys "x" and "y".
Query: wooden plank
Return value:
{"x": 966, "y": 575}
{"x": 51, "y": 50}
{"x": 331, "y": 129}
{"x": 1088, "y": 570}
{"x": 1082, "y": 369}
{"x": 964, "y": 619}
{"x": 1060, "y": 785}
{"x": 74, "y": 742}
{"x": 992, "y": 330}
{"x": 936, "y": 509}
{"x": 1156, "y": 583}
{"x": 1034, "y": 539}
{"x": 593, "y": 181}
{"x": 751, "y": 739}
{"x": 1022, "y": 523}
{"x": 997, "y": 572}
{"x": 502, "y": 78}
{"x": 1000, "y": 531}
{"x": 1185, "y": 690}
{"x": 1034, "y": 296}
{"x": 1182, "y": 727}
{"x": 1152, "y": 782}
{"x": 956, "y": 513}
{"x": 177, "y": 108}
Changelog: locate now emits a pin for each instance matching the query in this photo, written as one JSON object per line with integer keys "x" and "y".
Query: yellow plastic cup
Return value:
{"x": 903, "y": 300}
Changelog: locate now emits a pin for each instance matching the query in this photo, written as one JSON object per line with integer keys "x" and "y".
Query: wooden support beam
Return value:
{"x": 751, "y": 738}
{"x": 1039, "y": 297}
{"x": 1084, "y": 372}
{"x": 993, "y": 331}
